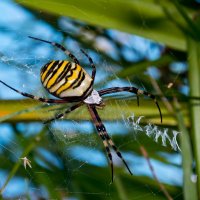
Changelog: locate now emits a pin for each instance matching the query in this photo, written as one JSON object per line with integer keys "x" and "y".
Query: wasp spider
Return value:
{"x": 69, "y": 82}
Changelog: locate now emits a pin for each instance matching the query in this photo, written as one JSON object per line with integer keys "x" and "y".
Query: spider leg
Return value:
{"x": 91, "y": 63}
{"x": 67, "y": 52}
{"x": 60, "y": 115}
{"x": 102, "y": 136}
{"x": 105, "y": 143}
{"x": 105, "y": 137}
{"x": 35, "y": 97}
{"x": 132, "y": 90}
{"x": 112, "y": 144}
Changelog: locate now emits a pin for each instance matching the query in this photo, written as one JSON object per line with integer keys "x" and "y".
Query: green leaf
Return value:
{"x": 29, "y": 110}
{"x": 142, "y": 17}
{"x": 187, "y": 157}
{"x": 194, "y": 80}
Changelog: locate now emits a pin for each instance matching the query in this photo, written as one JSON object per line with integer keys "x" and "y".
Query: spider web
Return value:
{"x": 70, "y": 146}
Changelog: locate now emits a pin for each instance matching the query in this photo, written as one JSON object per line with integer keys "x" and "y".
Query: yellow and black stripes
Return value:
{"x": 66, "y": 79}
{"x": 67, "y": 72}
{"x": 50, "y": 74}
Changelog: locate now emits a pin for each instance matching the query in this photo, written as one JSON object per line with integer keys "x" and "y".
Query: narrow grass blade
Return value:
{"x": 194, "y": 81}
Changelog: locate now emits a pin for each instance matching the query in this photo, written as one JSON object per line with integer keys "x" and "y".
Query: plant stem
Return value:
{"x": 189, "y": 186}
{"x": 194, "y": 80}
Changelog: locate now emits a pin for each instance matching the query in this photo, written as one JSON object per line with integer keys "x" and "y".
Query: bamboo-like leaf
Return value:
{"x": 194, "y": 80}
{"x": 194, "y": 28}
{"x": 28, "y": 110}
{"x": 142, "y": 17}
{"x": 142, "y": 66}
{"x": 187, "y": 160}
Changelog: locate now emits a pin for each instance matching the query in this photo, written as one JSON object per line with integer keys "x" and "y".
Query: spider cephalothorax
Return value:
{"x": 69, "y": 82}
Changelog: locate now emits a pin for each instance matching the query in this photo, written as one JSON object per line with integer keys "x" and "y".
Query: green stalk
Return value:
{"x": 194, "y": 80}
{"x": 189, "y": 187}
{"x": 28, "y": 111}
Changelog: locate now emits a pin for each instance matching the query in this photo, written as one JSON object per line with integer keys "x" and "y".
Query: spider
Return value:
{"x": 70, "y": 83}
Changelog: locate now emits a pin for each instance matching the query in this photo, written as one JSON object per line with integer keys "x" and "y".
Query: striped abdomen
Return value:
{"x": 66, "y": 80}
